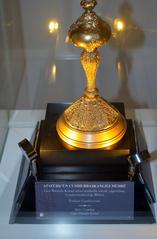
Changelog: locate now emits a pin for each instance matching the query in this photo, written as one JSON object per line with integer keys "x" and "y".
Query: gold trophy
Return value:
{"x": 90, "y": 122}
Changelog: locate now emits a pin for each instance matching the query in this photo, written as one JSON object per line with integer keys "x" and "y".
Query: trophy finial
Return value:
{"x": 88, "y": 4}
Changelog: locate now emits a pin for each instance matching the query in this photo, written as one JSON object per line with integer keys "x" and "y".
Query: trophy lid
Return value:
{"x": 89, "y": 31}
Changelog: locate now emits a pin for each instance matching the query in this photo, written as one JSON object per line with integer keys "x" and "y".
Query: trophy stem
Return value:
{"x": 90, "y": 62}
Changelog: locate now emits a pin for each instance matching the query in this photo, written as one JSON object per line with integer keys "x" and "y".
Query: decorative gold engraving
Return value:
{"x": 90, "y": 122}
{"x": 90, "y": 115}
{"x": 88, "y": 4}
{"x": 90, "y": 62}
{"x": 89, "y": 31}
{"x": 89, "y": 20}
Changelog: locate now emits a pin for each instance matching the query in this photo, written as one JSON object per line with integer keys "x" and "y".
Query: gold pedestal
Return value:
{"x": 106, "y": 126}
{"x": 90, "y": 122}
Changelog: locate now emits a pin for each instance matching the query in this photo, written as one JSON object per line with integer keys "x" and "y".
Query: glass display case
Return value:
{"x": 38, "y": 66}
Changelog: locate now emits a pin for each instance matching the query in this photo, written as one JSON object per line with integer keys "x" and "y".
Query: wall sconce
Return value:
{"x": 53, "y": 26}
{"x": 119, "y": 24}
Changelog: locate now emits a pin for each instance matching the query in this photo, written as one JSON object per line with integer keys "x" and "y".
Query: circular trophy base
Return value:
{"x": 106, "y": 138}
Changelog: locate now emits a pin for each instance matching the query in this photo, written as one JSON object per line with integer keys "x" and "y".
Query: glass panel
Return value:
{"x": 12, "y": 61}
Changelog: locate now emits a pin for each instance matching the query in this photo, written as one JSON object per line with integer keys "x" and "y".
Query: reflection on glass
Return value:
{"x": 119, "y": 24}
{"x": 52, "y": 73}
{"x": 4, "y": 119}
{"x": 67, "y": 39}
{"x": 54, "y": 70}
{"x": 53, "y": 26}
{"x": 127, "y": 36}
{"x": 120, "y": 70}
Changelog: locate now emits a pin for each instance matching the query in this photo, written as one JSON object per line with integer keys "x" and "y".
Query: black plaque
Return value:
{"x": 85, "y": 200}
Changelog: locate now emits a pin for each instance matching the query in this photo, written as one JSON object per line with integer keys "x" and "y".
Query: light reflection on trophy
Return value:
{"x": 90, "y": 122}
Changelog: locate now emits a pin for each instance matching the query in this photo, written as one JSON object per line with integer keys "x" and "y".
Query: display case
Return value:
{"x": 40, "y": 67}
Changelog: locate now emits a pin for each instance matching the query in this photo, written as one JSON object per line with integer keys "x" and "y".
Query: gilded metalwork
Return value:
{"x": 89, "y": 31}
{"x": 90, "y": 115}
{"x": 88, "y": 4}
{"x": 90, "y": 62}
{"x": 90, "y": 122}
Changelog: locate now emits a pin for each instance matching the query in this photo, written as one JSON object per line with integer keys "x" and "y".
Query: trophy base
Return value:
{"x": 63, "y": 171}
{"x": 91, "y": 124}
{"x": 61, "y": 161}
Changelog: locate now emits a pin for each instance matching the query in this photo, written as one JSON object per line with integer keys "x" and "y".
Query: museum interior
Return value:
{"x": 78, "y": 119}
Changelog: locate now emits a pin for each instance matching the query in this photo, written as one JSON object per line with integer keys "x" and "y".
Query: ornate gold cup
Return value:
{"x": 90, "y": 122}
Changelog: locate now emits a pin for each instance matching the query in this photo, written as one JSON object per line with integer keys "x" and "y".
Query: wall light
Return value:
{"x": 53, "y": 26}
{"x": 119, "y": 24}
